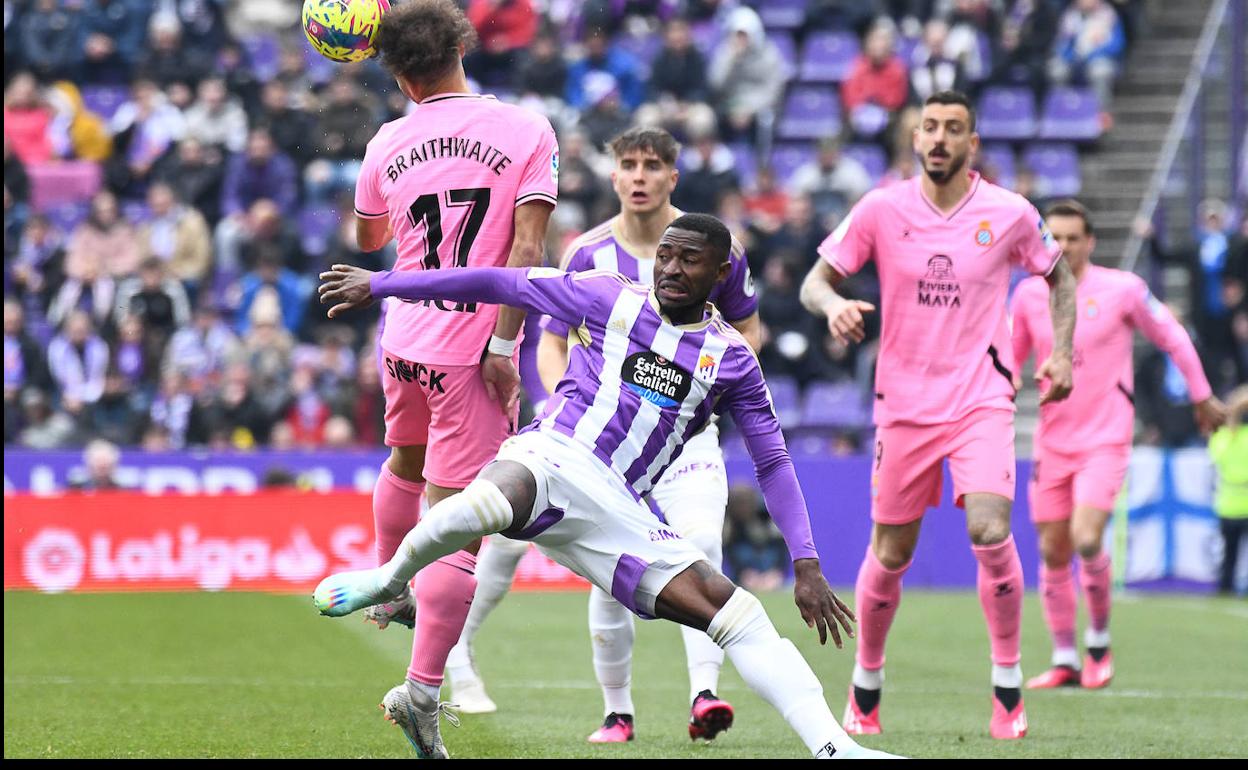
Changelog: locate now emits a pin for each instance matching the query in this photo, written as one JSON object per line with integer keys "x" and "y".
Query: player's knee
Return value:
{"x": 893, "y": 554}
{"x": 1088, "y": 544}
{"x": 988, "y": 530}
{"x": 1056, "y": 556}
{"x": 408, "y": 463}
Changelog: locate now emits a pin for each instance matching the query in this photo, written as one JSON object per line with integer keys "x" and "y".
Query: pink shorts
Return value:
{"x": 447, "y": 410}
{"x": 1059, "y": 482}
{"x": 906, "y": 479}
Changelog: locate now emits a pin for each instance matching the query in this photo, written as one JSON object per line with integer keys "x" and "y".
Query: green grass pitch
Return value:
{"x": 253, "y": 675}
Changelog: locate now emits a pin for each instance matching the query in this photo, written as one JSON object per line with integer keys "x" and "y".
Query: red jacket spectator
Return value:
{"x": 26, "y": 119}
{"x": 503, "y": 25}
{"x": 885, "y": 84}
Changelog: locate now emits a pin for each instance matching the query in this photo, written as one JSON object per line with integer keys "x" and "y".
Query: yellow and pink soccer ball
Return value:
{"x": 343, "y": 30}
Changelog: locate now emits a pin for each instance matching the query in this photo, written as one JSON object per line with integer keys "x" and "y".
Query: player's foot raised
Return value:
{"x": 1009, "y": 719}
{"x": 417, "y": 714}
{"x": 616, "y": 728}
{"x": 709, "y": 716}
{"x": 1058, "y": 676}
{"x": 1097, "y": 673}
{"x": 401, "y": 610}
{"x": 469, "y": 696}
{"x": 346, "y": 592}
{"x": 862, "y": 712}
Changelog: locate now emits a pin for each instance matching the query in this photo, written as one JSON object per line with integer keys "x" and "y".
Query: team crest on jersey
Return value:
{"x": 1091, "y": 309}
{"x": 656, "y": 379}
{"x": 1045, "y": 235}
{"x": 983, "y": 236}
{"x": 707, "y": 367}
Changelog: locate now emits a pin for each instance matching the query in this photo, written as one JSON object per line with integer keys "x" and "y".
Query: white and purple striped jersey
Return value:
{"x": 637, "y": 386}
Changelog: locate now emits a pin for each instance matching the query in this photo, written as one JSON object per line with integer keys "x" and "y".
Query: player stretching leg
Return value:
{"x": 691, "y": 495}
{"x": 1083, "y": 444}
{"x": 943, "y": 244}
{"x": 646, "y": 375}
{"x": 463, "y": 180}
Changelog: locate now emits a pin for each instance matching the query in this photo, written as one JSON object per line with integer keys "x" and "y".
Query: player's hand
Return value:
{"x": 845, "y": 321}
{"x": 1210, "y": 415}
{"x": 1058, "y": 371}
{"x": 502, "y": 381}
{"x": 818, "y": 605}
{"x": 346, "y": 288}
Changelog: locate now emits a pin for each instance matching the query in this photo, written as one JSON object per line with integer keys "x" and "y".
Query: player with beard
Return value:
{"x": 943, "y": 243}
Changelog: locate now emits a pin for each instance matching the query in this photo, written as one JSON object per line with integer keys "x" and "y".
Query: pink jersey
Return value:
{"x": 945, "y": 345}
{"x": 1112, "y": 304}
{"x": 449, "y": 176}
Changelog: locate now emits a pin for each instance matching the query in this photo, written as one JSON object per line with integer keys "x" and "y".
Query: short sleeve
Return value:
{"x": 1034, "y": 249}
{"x": 369, "y": 203}
{"x": 541, "y": 171}
{"x": 851, "y": 244}
{"x": 737, "y": 299}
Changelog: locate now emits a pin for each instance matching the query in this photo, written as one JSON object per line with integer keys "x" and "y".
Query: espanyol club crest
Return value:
{"x": 1091, "y": 310}
{"x": 983, "y": 236}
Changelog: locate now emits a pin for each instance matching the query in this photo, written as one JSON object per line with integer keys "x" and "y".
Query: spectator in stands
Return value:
{"x": 973, "y": 26}
{"x": 217, "y": 120}
{"x": 76, "y": 132}
{"x": 1027, "y": 33}
{"x": 932, "y": 69}
{"x": 1235, "y": 296}
{"x": 542, "y": 71}
{"x": 196, "y": 175}
{"x": 16, "y": 201}
{"x": 24, "y": 365}
{"x": 26, "y": 120}
{"x": 177, "y": 411}
{"x": 1162, "y": 400}
{"x": 344, "y": 127}
{"x": 267, "y": 349}
{"x": 833, "y": 181}
{"x": 800, "y": 234}
{"x": 50, "y": 40}
{"x": 104, "y": 244}
{"x": 202, "y": 350}
{"x": 167, "y": 58}
{"x": 504, "y": 28}
{"x": 604, "y": 116}
{"x": 157, "y": 300}
{"x": 113, "y": 35}
{"x": 260, "y": 173}
{"x": 1228, "y": 448}
{"x": 39, "y": 265}
{"x": 787, "y": 330}
{"x": 268, "y": 232}
{"x": 43, "y": 428}
{"x": 177, "y": 235}
{"x": 601, "y": 57}
{"x": 143, "y": 129}
{"x": 767, "y": 203}
{"x": 308, "y": 412}
{"x": 290, "y": 128}
{"x": 753, "y": 548}
{"x": 121, "y": 410}
{"x": 877, "y": 84}
{"x": 339, "y": 433}
{"x": 132, "y": 362}
{"x": 1089, "y": 47}
{"x": 101, "y": 459}
{"x": 746, "y": 74}
{"x": 90, "y": 290}
{"x": 709, "y": 171}
{"x": 78, "y": 360}
{"x": 237, "y": 412}
{"x": 273, "y": 285}
{"x": 233, "y": 64}
{"x": 677, "y": 77}
{"x": 368, "y": 411}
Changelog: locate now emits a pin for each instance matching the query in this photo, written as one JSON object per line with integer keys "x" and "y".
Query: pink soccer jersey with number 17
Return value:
{"x": 945, "y": 343}
{"x": 449, "y": 176}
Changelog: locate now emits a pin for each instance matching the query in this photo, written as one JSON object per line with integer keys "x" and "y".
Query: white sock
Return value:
{"x": 434, "y": 691}
{"x": 496, "y": 567}
{"x": 1094, "y": 638}
{"x": 868, "y": 679}
{"x": 705, "y": 658}
{"x": 611, "y": 634}
{"x": 1066, "y": 656}
{"x": 774, "y": 669}
{"x": 447, "y": 527}
{"x": 1007, "y": 676}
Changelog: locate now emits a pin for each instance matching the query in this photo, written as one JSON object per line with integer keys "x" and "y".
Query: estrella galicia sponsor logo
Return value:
{"x": 656, "y": 379}
{"x": 417, "y": 373}
{"x": 940, "y": 287}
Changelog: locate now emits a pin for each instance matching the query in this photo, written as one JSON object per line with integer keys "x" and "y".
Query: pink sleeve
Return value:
{"x": 1035, "y": 250}
{"x": 850, "y": 245}
{"x": 369, "y": 204}
{"x": 1020, "y": 333}
{"x": 1155, "y": 321}
{"x": 541, "y": 171}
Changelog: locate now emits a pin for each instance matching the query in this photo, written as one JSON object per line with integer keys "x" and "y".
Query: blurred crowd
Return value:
{"x": 171, "y": 303}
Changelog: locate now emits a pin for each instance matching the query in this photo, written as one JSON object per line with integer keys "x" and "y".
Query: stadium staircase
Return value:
{"x": 1116, "y": 172}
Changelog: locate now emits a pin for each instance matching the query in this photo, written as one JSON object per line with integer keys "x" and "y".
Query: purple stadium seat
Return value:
{"x": 835, "y": 405}
{"x": 1056, "y": 166}
{"x": 747, "y": 163}
{"x": 706, "y": 36}
{"x": 787, "y": 48}
{"x": 135, "y": 212}
{"x": 810, "y": 112}
{"x": 1001, "y": 158}
{"x": 788, "y": 157}
{"x": 828, "y": 56}
{"x": 316, "y": 226}
{"x": 52, "y": 184}
{"x": 786, "y": 398}
{"x": 781, "y": 14}
{"x": 984, "y": 56}
{"x": 871, "y": 156}
{"x": 66, "y": 216}
{"x": 264, "y": 54}
{"x": 905, "y": 48}
{"x": 1071, "y": 114}
{"x": 1007, "y": 113}
{"x": 104, "y": 100}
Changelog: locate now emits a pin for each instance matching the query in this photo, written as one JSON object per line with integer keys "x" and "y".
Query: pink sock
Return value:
{"x": 1057, "y": 598}
{"x": 443, "y": 595}
{"x": 396, "y": 509}
{"x": 876, "y": 598}
{"x": 1095, "y": 574}
{"x": 1001, "y": 595}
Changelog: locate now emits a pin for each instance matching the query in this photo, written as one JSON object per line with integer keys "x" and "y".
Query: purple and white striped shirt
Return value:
{"x": 637, "y": 386}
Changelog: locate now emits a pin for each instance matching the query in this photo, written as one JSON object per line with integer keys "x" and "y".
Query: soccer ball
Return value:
{"x": 343, "y": 30}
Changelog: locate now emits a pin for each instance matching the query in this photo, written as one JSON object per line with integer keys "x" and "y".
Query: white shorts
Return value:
{"x": 692, "y": 494}
{"x": 585, "y": 518}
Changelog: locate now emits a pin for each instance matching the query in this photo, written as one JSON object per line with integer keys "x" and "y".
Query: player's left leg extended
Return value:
{"x": 1095, "y": 575}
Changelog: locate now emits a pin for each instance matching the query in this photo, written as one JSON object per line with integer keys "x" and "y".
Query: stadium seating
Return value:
{"x": 1001, "y": 158}
{"x": 105, "y": 100}
{"x": 835, "y": 405}
{"x": 871, "y": 156}
{"x": 809, "y": 112}
{"x": 781, "y": 14}
{"x": 1072, "y": 114}
{"x": 1056, "y": 167}
{"x": 788, "y": 157}
{"x": 1007, "y": 113}
{"x": 828, "y": 57}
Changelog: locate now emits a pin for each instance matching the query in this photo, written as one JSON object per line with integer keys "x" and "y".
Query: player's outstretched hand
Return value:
{"x": 1210, "y": 415}
{"x": 845, "y": 320}
{"x": 1057, "y": 370}
{"x": 344, "y": 288}
{"x": 502, "y": 381}
{"x": 819, "y": 606}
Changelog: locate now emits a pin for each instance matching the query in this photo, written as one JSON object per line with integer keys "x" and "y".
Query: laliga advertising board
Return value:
{"x": 282, "y": 541}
